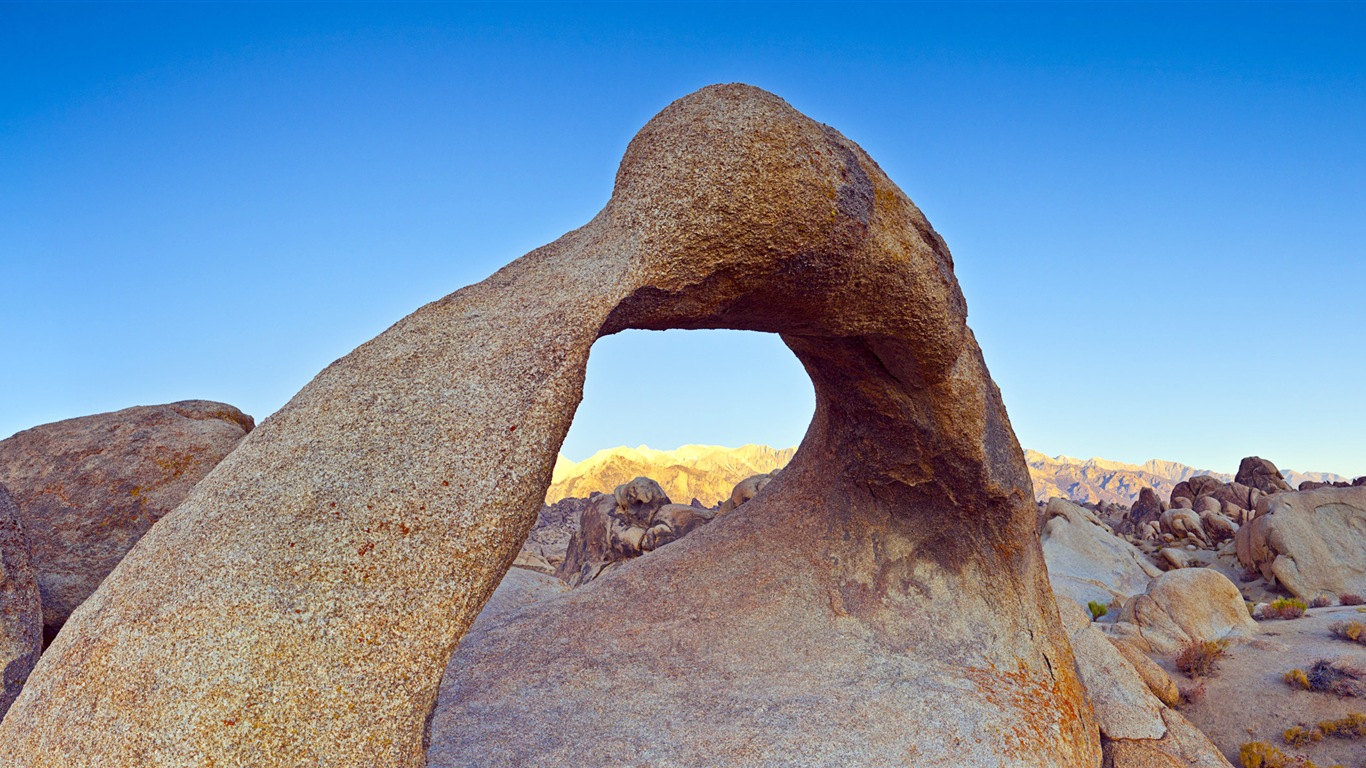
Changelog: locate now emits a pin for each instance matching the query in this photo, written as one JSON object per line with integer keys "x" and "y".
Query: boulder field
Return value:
{"x": 301, "y": 605}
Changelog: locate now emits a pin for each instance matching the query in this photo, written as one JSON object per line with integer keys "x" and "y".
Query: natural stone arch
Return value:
{"x": 299, "y": 607}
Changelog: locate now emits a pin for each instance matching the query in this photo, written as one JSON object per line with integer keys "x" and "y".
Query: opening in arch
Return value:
{"x": 675, "y": 428}
{"x": 666, "y": 390}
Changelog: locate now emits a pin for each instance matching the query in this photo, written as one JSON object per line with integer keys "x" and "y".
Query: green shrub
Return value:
{"x": 1098, "y": 609}
{"x": 1284, "y": 608}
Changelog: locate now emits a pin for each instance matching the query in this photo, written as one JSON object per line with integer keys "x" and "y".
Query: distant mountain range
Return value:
{"x": 703, "y": 472}
{"x": 708, "y": 472}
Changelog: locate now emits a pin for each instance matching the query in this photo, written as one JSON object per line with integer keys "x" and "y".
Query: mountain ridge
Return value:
{"x": 709, "y": 472}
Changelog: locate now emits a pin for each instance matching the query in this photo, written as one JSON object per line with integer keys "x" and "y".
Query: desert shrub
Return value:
{"x": 1353, "y": 631}
{"x": 1296, "y": 678}
{"x": 1259, "y": 754}
{"x": 1200, "y": 658}
{"x": 1322, "y": 601}
{"x": 1284, "y": 608}
{"x": 1342, "y": 678}
{"x": 1192, "y": 693}
{"x": 1297, "y": 736}
{"x": 1352, "y": 726}
{"x": 1098, "y": 609}
{"x": 1352, "y": 599}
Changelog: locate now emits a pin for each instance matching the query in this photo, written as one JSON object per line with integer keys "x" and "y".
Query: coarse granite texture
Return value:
{"x": 300, "y": 606}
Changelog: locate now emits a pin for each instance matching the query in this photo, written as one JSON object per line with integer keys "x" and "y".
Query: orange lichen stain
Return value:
{"x": 1045, "y": 708}
{"x": 365, "y": 548}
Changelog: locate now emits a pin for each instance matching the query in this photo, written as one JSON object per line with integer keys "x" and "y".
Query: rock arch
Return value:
{"x": 299, "y": 607}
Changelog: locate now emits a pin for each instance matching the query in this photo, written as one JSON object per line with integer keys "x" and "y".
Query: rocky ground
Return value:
{"x": 627, "y": 614}
{"x": 1161, "y": 575}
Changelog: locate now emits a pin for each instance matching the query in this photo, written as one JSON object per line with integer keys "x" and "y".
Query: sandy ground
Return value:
{"x": 1247, "y": 699}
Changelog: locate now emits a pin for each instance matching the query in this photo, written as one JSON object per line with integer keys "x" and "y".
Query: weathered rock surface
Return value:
{"x": 1310, "y": 542}
{"x": 89, "y": 488}
{"x": 21, "y": 612}
{"x": 1256, "y": 472}
{"x": 890, "y": 575}
{"x": 1185, "y": 605}
{"x": 637, "y": 518}
{"x": 1147, "y": 509}
{"x": 555, "y": 525}
{"x": 744, "y": 491}
{"x": 1087, "y": 562}
{"x": 519, "y": 588}
{"x": 1137, "y": 728}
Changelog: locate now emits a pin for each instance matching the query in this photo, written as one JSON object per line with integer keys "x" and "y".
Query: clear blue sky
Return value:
{"x": 1157, "y": 211}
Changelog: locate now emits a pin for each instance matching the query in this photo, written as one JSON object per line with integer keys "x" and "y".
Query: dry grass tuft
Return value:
{"x": 1297, "y": 736}
{"x": 1322, "y": 601}
{"x": 1259, "y": 754}
{"x": 1201, "y": 658}
{"x": 1296, "y": 678}
{"x": 1352, "y": 599}
{"x": 1352, "y": 631}
{"x": 1352, "y": 726}
{"x": 1343, "y": 677}
{"x": 1191, "y": 693}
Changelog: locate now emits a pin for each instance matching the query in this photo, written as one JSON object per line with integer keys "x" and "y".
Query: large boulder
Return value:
{"x": 744, "y": 491}
{"x": 1310, "y": 542}
{"x": 1088, "y": 562}
{"x": 300, "y": 606}
{"x": 593, "y": 548}
{"x": 637, "y": 518}
{"x": 1182, "y": 606}
{"x": 89, "y": 488}
{"x": 1256, "y": 472}
{"x": 1147, "y": 508}
{"x": 1137, "y": 728}
{"x": 21, "y": 612}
